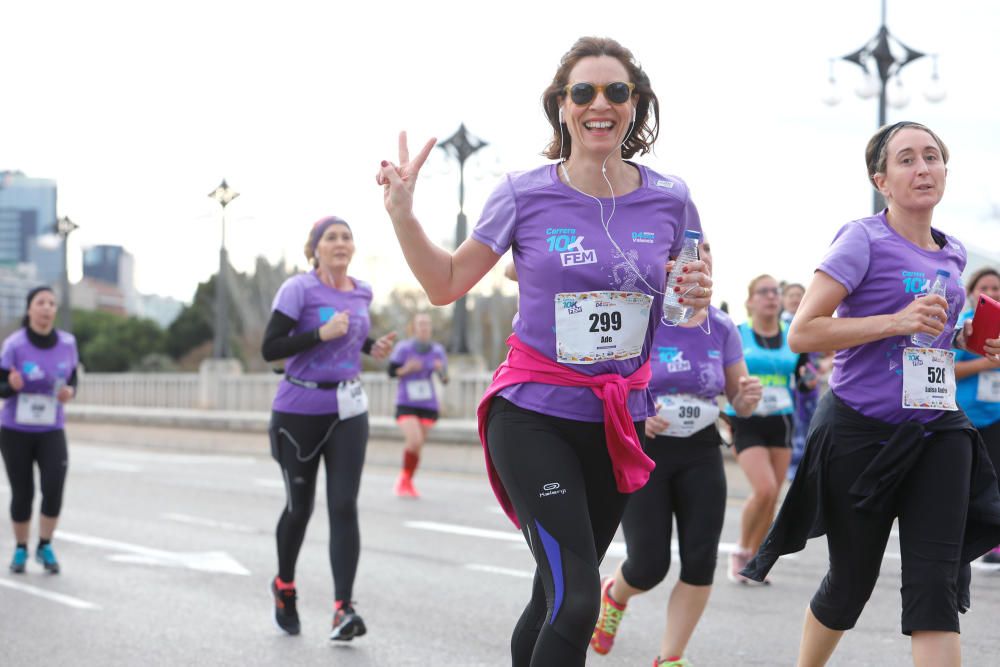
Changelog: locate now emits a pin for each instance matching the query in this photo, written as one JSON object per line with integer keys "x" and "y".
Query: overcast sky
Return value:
{"x": 139, "y": 109}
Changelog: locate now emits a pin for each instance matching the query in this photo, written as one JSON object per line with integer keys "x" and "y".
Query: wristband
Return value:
{"x": 366, "y": 347}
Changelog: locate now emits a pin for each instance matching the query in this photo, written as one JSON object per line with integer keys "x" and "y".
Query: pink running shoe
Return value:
{"x": 603, "y": 638}
{"x": 404, "y": 486}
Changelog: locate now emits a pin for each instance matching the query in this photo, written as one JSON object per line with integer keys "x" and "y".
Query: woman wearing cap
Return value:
{"x": 888, "y": 441}
{"x": 38, "y": 366}
{"x": 319, "y": 324}
{"x": 562, "y": 423}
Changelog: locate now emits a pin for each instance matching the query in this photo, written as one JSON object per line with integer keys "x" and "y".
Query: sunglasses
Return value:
{"x": 618, "y": 92}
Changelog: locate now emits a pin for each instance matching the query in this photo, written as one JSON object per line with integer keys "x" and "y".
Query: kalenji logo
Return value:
{"x": 551, "y": 489}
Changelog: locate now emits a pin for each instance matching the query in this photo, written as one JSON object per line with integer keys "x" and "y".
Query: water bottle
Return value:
{"x": 925, "y": 339}
{"x": 673, "y": 312}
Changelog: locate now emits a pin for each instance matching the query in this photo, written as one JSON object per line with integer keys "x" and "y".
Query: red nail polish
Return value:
{"x": 680, "y": 300}
{"x": 384, "y": 163}
{"x": 677, "y": 289}
{"x": 685, "y": 269}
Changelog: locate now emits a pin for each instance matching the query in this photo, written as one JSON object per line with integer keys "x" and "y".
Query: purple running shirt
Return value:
{"x": 560, "y": 246}
{"x": 687, "y": 361}
{"x": 883, "y": 273}
{"x": 310, "y": 303}
{"x": 43, "y": 371}
{"x": 416, "y": 390}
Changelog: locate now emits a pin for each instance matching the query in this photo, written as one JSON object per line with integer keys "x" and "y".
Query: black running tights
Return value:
{"x": 21, "y": 450}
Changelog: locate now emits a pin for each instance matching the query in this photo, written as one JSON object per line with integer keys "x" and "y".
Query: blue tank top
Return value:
{"x": 774, "y": 368}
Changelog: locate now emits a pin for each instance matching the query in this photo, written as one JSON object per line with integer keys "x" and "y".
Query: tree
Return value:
{"x": 111, "y": 343}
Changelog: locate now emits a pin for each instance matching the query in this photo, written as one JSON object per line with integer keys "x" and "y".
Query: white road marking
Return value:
{"x": 500, "y": 570}
{"x": 206, "y": 561}
{"x": 207, "y": 523}
{"x": 67, "y": 600}
{"x": 116, "y": 466}
{"x": 270, "y": 483}
{"x": 467, "y": 531}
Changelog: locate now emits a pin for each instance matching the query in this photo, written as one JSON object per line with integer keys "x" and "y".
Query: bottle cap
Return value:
{"x": 942, "y": 272}
{"x": 692, "y": 234}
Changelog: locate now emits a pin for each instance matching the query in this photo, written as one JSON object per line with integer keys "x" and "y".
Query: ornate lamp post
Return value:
{"x": 460, "y": 146}
{"x": 63, "y": 228}
{"x": 881, "y": 59}
{"x": 220, "y": 346}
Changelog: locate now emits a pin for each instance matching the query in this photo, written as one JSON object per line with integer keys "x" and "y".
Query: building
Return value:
{"x": 27, "y": 213}
{"x": 15, "y": 282}
{"x": 113, "y": 265}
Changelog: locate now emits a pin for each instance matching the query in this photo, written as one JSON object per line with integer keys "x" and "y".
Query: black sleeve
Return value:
{"x": 366, "y": 347}
{"x": 393, "y": 367}
{"x": 800, "y": 385}
{"x": 6, "y": 391}
{"x": 279, "y": 345}
{"x": 73, "y": 380}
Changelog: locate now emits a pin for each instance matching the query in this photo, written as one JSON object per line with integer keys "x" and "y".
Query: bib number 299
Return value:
{"x": 605, "y": 321}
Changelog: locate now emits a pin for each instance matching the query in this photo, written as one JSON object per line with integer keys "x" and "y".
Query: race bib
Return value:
{"x": 988, "y": 388}
{"x": 773, "y": 400}
{"x": 35, "y": 410}
{"x": 419, "y": 390}
{"x": 685, "y": 414}
{"x": 928, "y": 379}
{"x": 351, "y": 399}
{"x": 600, "y": 326}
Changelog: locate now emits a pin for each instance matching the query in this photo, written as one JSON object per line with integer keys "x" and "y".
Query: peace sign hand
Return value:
{"x": 398, "y": 181}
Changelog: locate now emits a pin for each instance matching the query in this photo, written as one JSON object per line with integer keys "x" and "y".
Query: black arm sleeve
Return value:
{"x": 393, "y": 367}
{"x": 800, "y": 384}
{"x": 366, "y": 347}
{"x": 279, "y": 345}
{"x": 73, "y": 380}
{"x": 6, "y": 391}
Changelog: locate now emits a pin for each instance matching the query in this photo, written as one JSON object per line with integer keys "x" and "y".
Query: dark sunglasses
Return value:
{"x": 618, "y": 92}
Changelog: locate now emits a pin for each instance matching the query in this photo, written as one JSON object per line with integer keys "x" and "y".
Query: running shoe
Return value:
{"x": 672, "y": 663}
{"x": 20, "y": 560}
{"x": 47, "y": 558}
{"x": 404, "y": 486}
{"x": 347, "y": 624}
{"x": 603, "y": 638}
{"x": 737, "y": 561}
{"x": 992, "y": 556}
{"x": 286, "y": 616}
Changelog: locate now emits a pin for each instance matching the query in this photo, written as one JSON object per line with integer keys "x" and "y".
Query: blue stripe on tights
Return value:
{"x": 555, "y": 565}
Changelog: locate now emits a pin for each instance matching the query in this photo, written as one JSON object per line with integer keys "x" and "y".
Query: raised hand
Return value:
{"x": 928, "y": 315}
{"x": 655, "y": 426}
{"x": 15, "y": 380}
{"x": 398, "y": 181}
{"x": 383, "y": 346}
{"x": 335, "y": 327}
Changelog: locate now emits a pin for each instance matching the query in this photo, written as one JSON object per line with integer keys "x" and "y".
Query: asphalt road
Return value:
{"x": 167, "y": 549}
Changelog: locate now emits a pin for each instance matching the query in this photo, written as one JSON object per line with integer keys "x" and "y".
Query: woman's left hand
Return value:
{"x": 383, "y": 346}
{"x": 694, "y": 287}
{"x": 991, "y": 346}
{"x": 66, "y": 394}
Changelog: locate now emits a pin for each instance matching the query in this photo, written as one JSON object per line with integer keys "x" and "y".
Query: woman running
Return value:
{"x": 562, "y": 423}
{"x": 37, "y": 376}
{"x": 319, "y": 324}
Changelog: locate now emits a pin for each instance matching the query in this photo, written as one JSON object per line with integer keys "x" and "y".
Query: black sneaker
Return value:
{"x": 992, "y": 557}
{"x": 286, "y": 617}
{"x": 347, "y": 624}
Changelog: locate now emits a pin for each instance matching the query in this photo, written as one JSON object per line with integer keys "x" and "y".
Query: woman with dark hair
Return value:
{"x": 319, "y": 324}
{"x": 562, "y": 423}
{"x": 979, "y": 378}
{"x": 38, "y": 366}
{"x": 888, "y": 441}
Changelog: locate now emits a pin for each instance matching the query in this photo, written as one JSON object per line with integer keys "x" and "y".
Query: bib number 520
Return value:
{"x": 605, "y": 321}
{"x": 935, "y": 375}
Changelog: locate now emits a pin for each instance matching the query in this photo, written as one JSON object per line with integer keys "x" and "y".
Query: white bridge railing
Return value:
{"x": 232, "y": 390}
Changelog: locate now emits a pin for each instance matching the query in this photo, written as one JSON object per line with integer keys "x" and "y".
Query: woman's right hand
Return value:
{"x": 398, "y": 181}
{"x": 655, "y": 426}
{"x": 927, "y": 314}
{"x": 15, "y": 380}
{"x": 335, "y": 327}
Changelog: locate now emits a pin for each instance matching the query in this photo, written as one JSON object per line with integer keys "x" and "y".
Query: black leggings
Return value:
{"x": 558, "y": 475}
{"x": 689, "y": 482}
{"x": 298, "y": 449}
{"x": 20, "y": 450}
{"x": 931, "y": 505}
{"x": 991, "y": 436}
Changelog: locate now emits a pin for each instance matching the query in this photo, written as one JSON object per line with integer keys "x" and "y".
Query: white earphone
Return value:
{"x": 560, "y": 115}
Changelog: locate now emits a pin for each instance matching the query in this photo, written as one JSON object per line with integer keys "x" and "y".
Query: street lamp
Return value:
{"x": 63, "y": 228}
{"x": 881, "y": 59}
{"x": 460, "y": 146}
{"x": 220, "y": 346}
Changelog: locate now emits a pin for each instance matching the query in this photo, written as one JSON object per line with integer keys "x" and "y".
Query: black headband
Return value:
{"x": 882, "y": 140}
{"x": 34, "y": 292}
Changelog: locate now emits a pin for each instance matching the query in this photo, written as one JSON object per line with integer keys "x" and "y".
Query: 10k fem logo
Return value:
{"x": 570, "y": 247}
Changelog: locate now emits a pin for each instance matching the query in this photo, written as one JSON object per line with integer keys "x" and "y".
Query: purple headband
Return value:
{"x": 320, "y": 226}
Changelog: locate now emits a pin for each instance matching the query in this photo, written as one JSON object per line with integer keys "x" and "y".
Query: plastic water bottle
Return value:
{"x": 925, "y": 339}
{"x": 673, "y": 312}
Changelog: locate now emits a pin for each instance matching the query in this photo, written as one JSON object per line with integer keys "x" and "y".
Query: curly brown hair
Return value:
{"x": 645, "y": 132}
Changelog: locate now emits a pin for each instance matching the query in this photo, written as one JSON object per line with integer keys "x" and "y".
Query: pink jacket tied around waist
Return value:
{"x": 525, "y": 364}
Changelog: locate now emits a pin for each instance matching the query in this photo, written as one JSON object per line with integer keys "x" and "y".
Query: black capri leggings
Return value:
{"x": 298, "y": 443}
{"x": 21, "y": 449}
{"x": 558, "y": 475}
{"x": 932, "y": 505}
{"x": 689, "y": 483}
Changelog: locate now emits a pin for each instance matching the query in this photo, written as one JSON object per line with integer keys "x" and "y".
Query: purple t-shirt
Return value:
{"x": 687, "y": 361}
{"x": 559, "y": 245}
{"x": 883, "y": 273}
{"x": 310, "y": 303}
{"x": 416, "y": 390}
{"x": 43, "y": 370}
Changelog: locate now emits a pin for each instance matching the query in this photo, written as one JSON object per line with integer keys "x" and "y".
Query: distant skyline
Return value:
{"x": 139, "y": 117}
